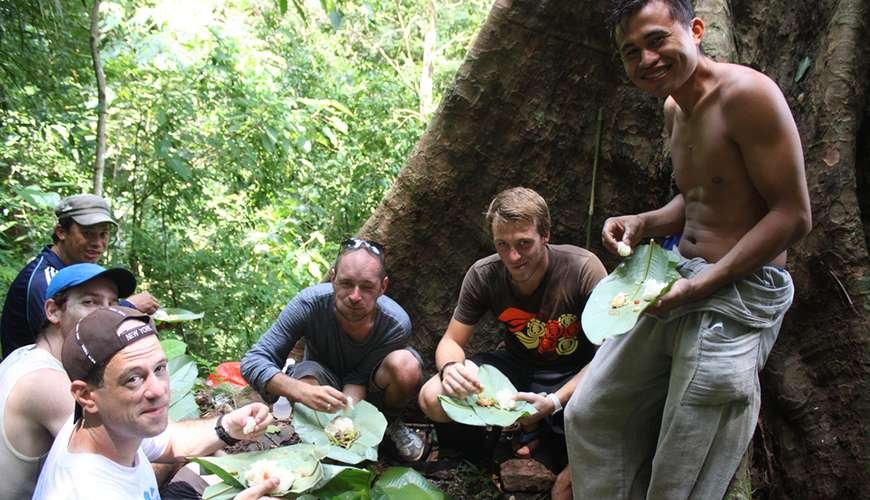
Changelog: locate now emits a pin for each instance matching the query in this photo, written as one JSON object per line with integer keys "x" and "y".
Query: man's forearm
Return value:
{"x": 448, "y": 350}
{"x": 191, "y": 438}
{"x": 564, "y": 393}
{"x": 666, "y": 220}
{"x": 283, "y": 385}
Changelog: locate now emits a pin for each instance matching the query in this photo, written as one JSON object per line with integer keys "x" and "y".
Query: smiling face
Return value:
{"x": 133, "y": 401}
{"x": 659, "y": 54}
{"x": 82, "y": 243}
{"x": 357, "y": 283}
{"x": 522, "y": 249}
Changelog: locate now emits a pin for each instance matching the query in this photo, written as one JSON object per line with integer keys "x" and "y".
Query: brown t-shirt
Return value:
{"x": 543, "y": 328}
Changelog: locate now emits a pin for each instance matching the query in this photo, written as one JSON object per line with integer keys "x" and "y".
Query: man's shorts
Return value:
{"x": 325, "y": 376}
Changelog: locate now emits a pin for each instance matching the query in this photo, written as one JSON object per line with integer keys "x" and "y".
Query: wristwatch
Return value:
{"x": 223, "y": 434}
{"x": 441, "y": 371}
{"x": 557, "y": 403}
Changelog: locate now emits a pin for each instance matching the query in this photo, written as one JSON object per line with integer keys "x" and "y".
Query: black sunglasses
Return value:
{"x": 372, "y": 246}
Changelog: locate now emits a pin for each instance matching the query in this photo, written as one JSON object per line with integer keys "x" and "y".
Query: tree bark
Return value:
{"x": 100, "y": 156}
{"x": 522, "y": 111}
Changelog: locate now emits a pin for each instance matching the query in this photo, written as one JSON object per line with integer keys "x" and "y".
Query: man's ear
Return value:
{"x": 332, "y": 274}
{"x": 83, "y": 393}
{"x": 52, "y": 311}
{"x": 60, "y": 232}
{"x": 385, "y": 284}
{"x": 697, "y": 25}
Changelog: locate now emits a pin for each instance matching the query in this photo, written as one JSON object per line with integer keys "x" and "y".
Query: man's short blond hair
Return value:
{"x": 519, "y": 204}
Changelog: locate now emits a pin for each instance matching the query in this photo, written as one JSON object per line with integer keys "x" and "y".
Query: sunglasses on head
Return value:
{"x": 372, "y": 246}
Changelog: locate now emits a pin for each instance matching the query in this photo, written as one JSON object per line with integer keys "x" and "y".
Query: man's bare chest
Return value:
{"x": 705, "y": 159}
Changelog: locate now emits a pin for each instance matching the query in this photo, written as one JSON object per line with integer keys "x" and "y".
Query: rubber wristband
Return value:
{"x": 223, "y": 434}
{"x": 557, "y": 403}
{"x": 441, "y": 371}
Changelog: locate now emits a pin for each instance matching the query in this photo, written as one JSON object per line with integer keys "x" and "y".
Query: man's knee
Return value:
{"x": 428, "y": 400}
{"x": 402, "y": 368}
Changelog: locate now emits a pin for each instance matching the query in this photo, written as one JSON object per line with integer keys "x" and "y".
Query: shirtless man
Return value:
{"x": 668, "y": 409}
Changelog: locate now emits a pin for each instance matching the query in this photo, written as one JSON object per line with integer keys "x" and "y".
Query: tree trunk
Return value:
{"x": 522, "y": 111}
{"x": 100, "y": 156}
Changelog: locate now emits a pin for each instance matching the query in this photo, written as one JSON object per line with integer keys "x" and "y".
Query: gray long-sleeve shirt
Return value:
{"x": 311, "y": 314}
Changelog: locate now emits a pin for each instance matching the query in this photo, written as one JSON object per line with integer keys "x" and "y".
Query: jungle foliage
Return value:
{"x": 245, "y": 137}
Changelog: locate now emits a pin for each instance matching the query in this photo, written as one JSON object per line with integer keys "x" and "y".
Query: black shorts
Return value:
{"x": 522, "y": 376}
{"x": 326, "y": 376}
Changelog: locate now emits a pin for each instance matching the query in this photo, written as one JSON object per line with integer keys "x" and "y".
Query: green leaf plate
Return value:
{"x": 470, "y": 413}
{"x": 367, "y": 419}
{"x": 600, "y": 318}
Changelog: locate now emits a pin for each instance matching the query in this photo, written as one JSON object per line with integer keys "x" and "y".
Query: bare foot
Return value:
{"x": 562, "y": 487}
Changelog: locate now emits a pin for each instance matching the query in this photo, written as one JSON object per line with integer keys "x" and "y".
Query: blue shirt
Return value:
{"x": 24, "y": 309}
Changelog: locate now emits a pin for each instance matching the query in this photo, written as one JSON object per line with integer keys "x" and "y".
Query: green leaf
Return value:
{"x": 350, "y": 483}
{"x": 470, "y": 413}
{"x": 282, "y": 6}
{"x": 367, "y": 419}
{"x": 314, "y": 270}
{"x": 184, "y": 408}
{"x": 182, "y": 377}
{"x": 397, "y": 483}
{"x": 180, "y": 167}
{"x": 802, "y": 68}
{"x": 173, "y": 348}
{"x": 300, "y": 458}
{"x": 220, "y": 491}
{"x": 175, "y": 315}
{"x": 600, "y": 318}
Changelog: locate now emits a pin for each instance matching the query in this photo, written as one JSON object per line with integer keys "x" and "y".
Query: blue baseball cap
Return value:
{"x": 78, "y": 274}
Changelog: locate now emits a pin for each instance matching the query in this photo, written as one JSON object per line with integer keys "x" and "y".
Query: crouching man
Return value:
{"x": 120, "y": 385}
{"x": 356, "y": 345}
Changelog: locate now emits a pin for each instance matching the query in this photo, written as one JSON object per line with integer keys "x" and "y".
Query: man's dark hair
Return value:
{"x": 65, "y": 223}
{"x": 95, "y": 376}
{"x": 60, "y": 298}
{"x": 621, "y": 10}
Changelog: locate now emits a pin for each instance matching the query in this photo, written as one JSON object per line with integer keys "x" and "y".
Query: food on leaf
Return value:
{"x": 644, "y": 276}
{"x": 341, "y": 431}
{"x": 505, "y": 399}
{"x": 623, "y": 249}
{"x": 619, "y": 300}
{"x": 494, "y": 405}
{"x": 250, "y": 425}
{"x": 264, "y": 470}
{"x": 353, "y": 438}
{"x": 651, "y": 289}
{"x": 486, "y": 402}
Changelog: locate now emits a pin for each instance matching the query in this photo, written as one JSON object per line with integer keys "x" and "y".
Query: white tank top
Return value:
{"x": 20, "y": 471}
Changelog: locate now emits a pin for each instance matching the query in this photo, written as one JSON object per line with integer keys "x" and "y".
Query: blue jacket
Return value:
{"x": 23, "y": 312}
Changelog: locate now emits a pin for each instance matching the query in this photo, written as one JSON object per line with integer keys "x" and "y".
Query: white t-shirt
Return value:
{"x": 88, "y": 476}
{"x": 13, "y": 463}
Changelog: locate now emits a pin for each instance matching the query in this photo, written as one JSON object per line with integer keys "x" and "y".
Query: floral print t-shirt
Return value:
{"x": 543, "y": 328}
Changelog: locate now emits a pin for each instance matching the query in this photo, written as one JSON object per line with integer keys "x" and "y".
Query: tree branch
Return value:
{"x": 100, "y": 157}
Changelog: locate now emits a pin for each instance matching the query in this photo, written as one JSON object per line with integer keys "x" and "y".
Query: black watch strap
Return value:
{"x": 441, "y": 371}
{"x": 223, "y": 434}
